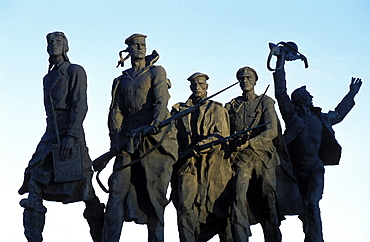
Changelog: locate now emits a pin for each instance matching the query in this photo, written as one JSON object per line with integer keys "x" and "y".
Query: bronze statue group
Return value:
{"x": 229, "y": 166}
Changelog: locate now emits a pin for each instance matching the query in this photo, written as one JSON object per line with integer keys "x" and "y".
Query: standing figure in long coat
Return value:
{"x": 60, "y": 169}
{"x": 311, "y": 143}
{"x": 254, "y": 158}
{"x": 200, "y": 180}
{"x": 139, "y": 103}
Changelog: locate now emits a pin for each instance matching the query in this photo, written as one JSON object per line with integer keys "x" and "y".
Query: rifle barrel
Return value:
{"x": 207, "y": 98}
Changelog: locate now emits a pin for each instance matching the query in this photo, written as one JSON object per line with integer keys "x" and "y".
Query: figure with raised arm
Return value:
{"x": 311, "y": 143}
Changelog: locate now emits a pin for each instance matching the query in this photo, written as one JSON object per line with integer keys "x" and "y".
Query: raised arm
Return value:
{"x": 285, "y": 104}
{"x": 115, "y": 117}
{"x": 346, "y": 104}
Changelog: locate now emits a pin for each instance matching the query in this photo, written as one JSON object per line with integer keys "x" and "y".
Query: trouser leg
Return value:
{"x": 119, "y": 183}
{"x": 186, "y": 215}
{"x": 220, "y": 226}
{"x": 226, "y": 235}
{"x": 302, "y": 180}
{"x": 239, "y": 217}
{"x": 94, "y": 214}
{"x": 155, "y": 230}
{"x": 34, "y": 213}
{"x": 271, "y": 224}
{"x": 313, "y": 216}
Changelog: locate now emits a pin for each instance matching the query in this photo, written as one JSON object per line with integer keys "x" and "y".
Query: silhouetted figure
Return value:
{"x": 60, "y": 169}
{"x": 311, "y": 143}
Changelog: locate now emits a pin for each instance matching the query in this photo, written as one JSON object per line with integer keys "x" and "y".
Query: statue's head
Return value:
{"x": 302, "y": 96}
{"x": 247, "y": 78}
{"x": 136, "y": 46}
{"x": 57, "y": 46}
{"x": 199, "y": 85}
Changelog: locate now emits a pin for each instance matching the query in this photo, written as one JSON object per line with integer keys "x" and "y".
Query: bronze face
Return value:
{"x": 306, "y": 99}
{"x": 199, "y": 87}
{"x": 247, "y": 80}
{"x": 55, "y": 45}
{"x": 137, "y": 48}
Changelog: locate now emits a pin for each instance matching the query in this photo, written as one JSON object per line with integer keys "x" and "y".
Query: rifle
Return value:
{"x": 246, "y": 137}
{"x": 100, "y": 162}
{"x": 258, "y": 104}
{"x": 222, "y": 140}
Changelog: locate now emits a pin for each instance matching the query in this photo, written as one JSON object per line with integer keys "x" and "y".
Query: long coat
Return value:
{"x": 140, "y": 100}
{"x": 211, "y": 168}
{"x": 65, "y": 97}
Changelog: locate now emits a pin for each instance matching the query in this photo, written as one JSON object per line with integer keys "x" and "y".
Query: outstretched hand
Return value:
{"x": 355, "y": 85}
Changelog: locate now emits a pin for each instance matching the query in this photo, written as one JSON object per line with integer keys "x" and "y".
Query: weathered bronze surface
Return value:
{"x": 254, "y": 158}
{"x": 200, "y": 183}
{"x": 139, "y": 104}
{"x": 229, "y": 167}
{"x": 60, "y": 169}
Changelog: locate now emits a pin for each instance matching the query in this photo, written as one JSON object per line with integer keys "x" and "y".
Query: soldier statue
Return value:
{"x": 254, "y": 157}
{"x": 139, "y": 104}
{"x": 200, "y": 189}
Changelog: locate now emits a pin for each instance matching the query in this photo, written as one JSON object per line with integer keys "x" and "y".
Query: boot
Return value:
{"x": 94, "y": 215}
{"x": 33, "y": 221}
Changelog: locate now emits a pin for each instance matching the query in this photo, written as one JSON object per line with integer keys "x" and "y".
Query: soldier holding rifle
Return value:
{"x": 139, "y": 104}
{"x": 200, "y": 180}
{"x": 254, "y": 159}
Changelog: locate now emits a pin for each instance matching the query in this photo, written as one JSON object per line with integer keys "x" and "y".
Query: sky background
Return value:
{"x": 213, "y": 37}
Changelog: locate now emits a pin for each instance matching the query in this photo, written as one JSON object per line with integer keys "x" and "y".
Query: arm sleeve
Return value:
{"x": 341, "y": 110}
{"x": 271, "y": 129}
{"x": 161, "y": 95}
{"x": 115, "y": 117}
{"x": 78, "y": 99}
{"x": 285, "y": 104}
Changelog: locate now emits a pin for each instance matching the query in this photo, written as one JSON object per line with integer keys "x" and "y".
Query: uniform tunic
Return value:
{"x": 259, "y": 158}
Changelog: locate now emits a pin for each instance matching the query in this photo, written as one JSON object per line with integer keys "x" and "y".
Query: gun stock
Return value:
{"x": 101, "y": 162}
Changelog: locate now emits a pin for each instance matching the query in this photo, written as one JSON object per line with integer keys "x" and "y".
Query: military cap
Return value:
{"x": 128, "y": 40}
{"x": 298, "y": 93}
{"x": 197, "y": 74}
{"x": 245, "y": 70}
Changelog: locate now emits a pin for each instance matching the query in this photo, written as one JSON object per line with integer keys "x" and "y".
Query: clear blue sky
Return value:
{"x": 214, "y": 37}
